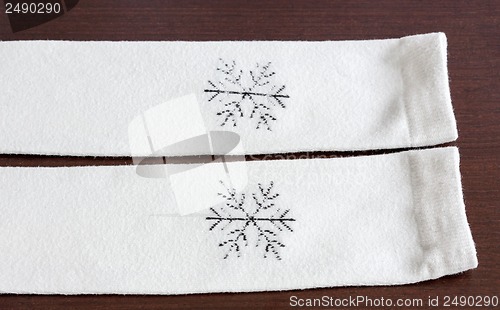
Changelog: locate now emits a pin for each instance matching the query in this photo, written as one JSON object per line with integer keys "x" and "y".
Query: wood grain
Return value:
{"x": 473, "y": 34}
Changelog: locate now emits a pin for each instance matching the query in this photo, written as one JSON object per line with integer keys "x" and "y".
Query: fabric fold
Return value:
{"x": 428, "y": 107}
{"x": 443, "y": 236}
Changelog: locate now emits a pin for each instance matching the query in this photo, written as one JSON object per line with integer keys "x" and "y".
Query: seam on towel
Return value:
{"x": 402, "y": 54}
{"x": 411, "y": 174}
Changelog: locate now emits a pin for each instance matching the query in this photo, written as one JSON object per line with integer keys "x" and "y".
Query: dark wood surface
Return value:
{"x": 473, "y": 34}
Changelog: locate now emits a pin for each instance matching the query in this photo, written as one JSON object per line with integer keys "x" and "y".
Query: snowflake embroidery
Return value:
{"x": 243, "y": 218}
{"x": 243, "y": 94}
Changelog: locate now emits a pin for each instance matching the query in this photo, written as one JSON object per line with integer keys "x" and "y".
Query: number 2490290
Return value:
{"x": 32, "y": 8}
{"x": 472, "y": 301}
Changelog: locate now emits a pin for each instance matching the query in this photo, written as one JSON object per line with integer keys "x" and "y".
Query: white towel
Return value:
{"x": 78, "y": 98}
{"x": 375, "y": 220}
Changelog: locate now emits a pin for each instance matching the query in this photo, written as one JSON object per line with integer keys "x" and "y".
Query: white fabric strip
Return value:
{"x": 377, "y": 220}
{"x": 78, "y": 98}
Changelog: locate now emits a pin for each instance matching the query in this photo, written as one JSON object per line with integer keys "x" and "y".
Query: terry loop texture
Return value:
{"x": 78, "y": 98}
{"x": 375, "y": 220}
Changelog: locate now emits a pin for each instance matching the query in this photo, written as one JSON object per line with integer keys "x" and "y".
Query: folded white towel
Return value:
{"x": 376, "y": 220}
{"x": 78, "y": 98}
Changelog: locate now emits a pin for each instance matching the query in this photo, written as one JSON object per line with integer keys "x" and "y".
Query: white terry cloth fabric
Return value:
{"x": 375, "y": 220}
{"x": 78, "y": 98}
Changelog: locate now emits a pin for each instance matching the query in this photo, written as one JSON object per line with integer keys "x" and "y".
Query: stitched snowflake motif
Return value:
{"x": 247, "y": 94}
{"x": 257, "y": 221}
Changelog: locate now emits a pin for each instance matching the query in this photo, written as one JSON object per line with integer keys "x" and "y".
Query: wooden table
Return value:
{"x": 473, "y": 34}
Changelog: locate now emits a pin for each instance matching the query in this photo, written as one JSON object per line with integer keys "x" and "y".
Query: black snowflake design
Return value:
{"x": 243, "y": 219}
{"x": 251, "y": 94}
